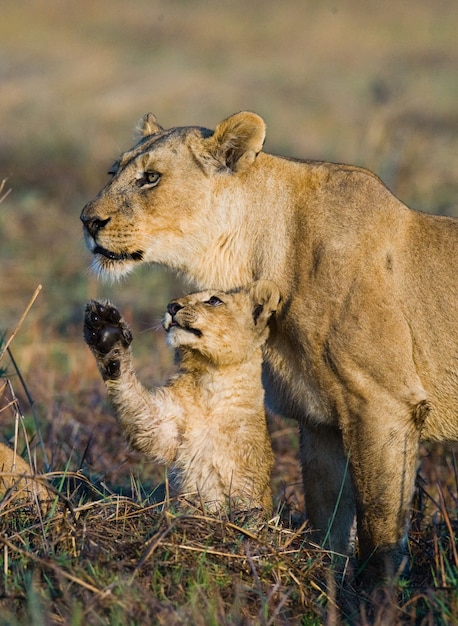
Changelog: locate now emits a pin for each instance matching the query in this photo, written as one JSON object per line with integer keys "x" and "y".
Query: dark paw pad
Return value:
{"x": 112, "y": 369}
{"x": 104, "y": 327}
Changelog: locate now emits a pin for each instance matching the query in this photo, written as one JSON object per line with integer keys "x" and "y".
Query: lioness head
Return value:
{"x": 224, "y": 327}
{"x": 160, "y": 204}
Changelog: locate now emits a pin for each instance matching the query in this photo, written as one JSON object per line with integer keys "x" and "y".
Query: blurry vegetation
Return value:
{"x": 374, "y": 84}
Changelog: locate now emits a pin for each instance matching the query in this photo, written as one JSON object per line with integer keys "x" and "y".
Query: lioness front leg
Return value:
{"x": 383, "y": 464}
{"x": 148, "y": 419}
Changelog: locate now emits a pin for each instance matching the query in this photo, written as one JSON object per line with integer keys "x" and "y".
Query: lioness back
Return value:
{"x": 363, "y": 350}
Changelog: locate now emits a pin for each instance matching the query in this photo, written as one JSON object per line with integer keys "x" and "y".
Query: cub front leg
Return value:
{"x": 108, "y": 337}
{"x": 149, "y": 419}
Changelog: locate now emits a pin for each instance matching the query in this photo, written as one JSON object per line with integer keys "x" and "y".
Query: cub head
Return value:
{"x": 161, "y": 195}
{"x": 225, "y": 327}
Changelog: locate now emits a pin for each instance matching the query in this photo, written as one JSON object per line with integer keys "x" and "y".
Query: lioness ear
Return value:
{"x": 148, "y": 126}
{"x": 237, "y": 140}
{"x": 265, "y": 296}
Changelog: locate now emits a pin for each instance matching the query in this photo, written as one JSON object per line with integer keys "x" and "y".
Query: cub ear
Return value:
{"x": 149, "y": 126}
{"x": 266, "y": 297}
{"x": 237, "y": 140}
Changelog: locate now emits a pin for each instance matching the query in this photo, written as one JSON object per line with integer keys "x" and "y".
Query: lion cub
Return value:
{"x": 209, "y": 420}
{"x": 17, "y": 479}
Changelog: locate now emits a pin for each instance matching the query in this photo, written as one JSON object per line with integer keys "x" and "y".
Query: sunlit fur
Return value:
{"x": 16, "y": 478}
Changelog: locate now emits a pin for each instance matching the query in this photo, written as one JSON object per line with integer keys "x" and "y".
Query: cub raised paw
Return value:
{"x": 107, "y": 335}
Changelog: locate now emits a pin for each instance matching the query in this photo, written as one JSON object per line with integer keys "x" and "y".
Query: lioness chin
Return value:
{"x": 363, "y": 351}
{"x": 209, "y": 421}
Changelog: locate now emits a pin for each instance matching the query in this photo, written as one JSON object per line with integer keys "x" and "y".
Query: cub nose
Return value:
{"x": 94, "y": 224}
{"x": 173, "y": 308}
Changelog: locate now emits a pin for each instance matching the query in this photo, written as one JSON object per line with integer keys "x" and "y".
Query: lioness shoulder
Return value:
{"x": 209, "y": 421}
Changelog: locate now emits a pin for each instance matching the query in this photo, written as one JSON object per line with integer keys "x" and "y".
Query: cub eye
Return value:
{"x": 149, "y": 179}
{"x": 213, "y": 301}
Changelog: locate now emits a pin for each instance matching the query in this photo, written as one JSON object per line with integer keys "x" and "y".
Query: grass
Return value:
{"x": 365, "y": 83}
{"x": 113, "y": 560}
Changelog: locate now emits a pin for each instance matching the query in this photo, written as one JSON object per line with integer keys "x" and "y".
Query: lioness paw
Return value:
{"x": 104, "y": 327}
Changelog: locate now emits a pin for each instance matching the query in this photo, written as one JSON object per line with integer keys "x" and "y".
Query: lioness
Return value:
{"x": 209, "y": 421}
{"x": 363, "y": 351}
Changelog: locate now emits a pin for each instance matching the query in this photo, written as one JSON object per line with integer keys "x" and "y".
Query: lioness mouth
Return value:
{"x": 119, "y": 256}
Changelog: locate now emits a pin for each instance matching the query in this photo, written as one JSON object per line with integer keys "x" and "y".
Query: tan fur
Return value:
{"x": 364, "y": 351}
{"x": 16, "y": 478}
{"x": 209, "y": 421}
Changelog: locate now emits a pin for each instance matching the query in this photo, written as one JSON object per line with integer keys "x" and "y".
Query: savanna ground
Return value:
{"x": 374, "y": 84}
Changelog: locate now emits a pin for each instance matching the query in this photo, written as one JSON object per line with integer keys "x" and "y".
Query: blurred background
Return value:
{"x": 369, "y": 83}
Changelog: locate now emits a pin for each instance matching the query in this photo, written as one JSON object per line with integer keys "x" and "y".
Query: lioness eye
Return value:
{"x": 149, "y": 179}
{"x": 214, "y": 301}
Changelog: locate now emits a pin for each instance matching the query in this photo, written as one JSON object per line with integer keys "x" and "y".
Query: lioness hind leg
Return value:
{"x": 328, "y": 492}
{"x": 107, "y": 335}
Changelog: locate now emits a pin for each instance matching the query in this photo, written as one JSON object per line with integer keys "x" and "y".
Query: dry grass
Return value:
{"x": 115, "y": 561}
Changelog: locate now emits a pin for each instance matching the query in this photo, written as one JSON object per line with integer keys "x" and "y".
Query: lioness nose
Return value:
{"x": 173, "y": 308}
{"x": 94, "y": 224}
